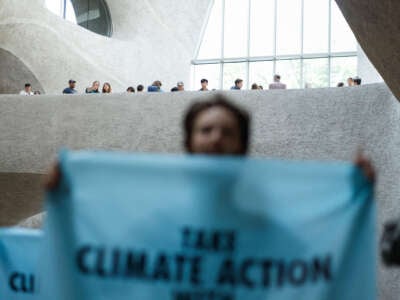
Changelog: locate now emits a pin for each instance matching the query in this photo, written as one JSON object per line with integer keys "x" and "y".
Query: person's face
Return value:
{"x": 350, "y": 82}
{"x": 96, "y": 85}
{"x": 240, "y": 85}
{"x": 106, "y": 88}
{"x": 204, "y": 85}
{"x": 181, "y": 88}
{"x": 216, "y": 131}
{"x": 72, "y": 85}
{"x": 28, "y": 89}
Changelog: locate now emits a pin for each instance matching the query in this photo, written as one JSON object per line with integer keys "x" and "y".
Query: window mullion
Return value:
{"x": 248, "y": 44}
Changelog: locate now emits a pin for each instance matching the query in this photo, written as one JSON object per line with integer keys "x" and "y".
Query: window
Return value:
{"x": 262, "y": 27}
{"x": 211, "y": 43}
{"x": 288, "y": 29}
{"x": 236, "y": 28}
{"x": 62, "y": 8}
{"x": 261, "y": 72}
{"x": 316, "y": 26}
{"x": 210, "y": 71}
{"x": 93, "y": 15}
{"x": 232, "y": 72}
{"x": 307, "y": 42}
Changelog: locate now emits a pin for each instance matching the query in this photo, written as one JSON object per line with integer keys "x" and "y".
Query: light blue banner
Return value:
{"x": 19, "y": 257}
{"x": 185, "y": 227}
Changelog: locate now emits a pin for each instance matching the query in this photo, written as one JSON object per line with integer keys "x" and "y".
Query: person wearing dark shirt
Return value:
{"x": 204, "y": 85}
{"x": 71, "y": 88}
{"x": 357, "y": 81}
{"x": 238, "y": 84}
{"x": 155, "y": 87}
{"x": 140, "y": 88}
{"x": 181, "y": 86}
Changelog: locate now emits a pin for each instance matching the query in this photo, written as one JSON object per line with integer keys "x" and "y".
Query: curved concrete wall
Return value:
{"x": 147, "y": 43}
{"x": 17, "y": 74}
{"x": 295, "y": 124}
{"x": 376, "y": 26}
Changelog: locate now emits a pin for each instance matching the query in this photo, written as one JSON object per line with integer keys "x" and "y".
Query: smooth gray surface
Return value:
{"x": 21, "y": 195}
{"x": 317, "y": 124}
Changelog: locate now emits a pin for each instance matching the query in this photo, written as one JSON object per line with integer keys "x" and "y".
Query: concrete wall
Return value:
{"x": 17, "y": 74}
{"x": 376, "y": 26}
{"x": 152, "y": 40}
{"x": 317, "y": 124}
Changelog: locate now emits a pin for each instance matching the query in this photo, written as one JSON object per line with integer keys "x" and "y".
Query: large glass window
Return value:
{"x": 211, "y": 43}
{"x": 261, "y": 72}
{"x": 210, "y": 71}
{"x": 62, "y": 8}
{"x": 236, "y": 28}
{"x": 232, "y": 72}
{"x": 288, "y": 29}
{"x": 291, "y": 72}
{"x": 342, "y": 38}
{"x": 316, "y": 26}
{"x": 262, "y": 27}
{"x": 315, "y": 72}
{"x": 342, "y": 68}
{"x": 307, "y": 42}
{"x": 93, "y": 15}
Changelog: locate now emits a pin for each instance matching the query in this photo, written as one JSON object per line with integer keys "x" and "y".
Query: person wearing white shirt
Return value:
{"x": 27, "y": 91}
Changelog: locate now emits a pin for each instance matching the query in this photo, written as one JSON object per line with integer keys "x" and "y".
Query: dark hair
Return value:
{"x": 254, "y": 86}
{"x": 237, "y": 81}
{"x": 109, "y": 86}
{"x": 203, "y": 80}
{"x": 340, "y": 84}
{"x": 277, "y": 76}
{"x": 140, "y": 88}
{"x": 157, "y": 83}
{"x": 198, "y": 107}
{"x": 357, "y": 80}
{"x": 130, "y": 89}
{"x": 175, "y": 89}
{"x": 27, "y": 84}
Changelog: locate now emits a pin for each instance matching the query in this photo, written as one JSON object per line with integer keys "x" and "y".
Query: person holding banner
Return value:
{"x": 215, "y": 127}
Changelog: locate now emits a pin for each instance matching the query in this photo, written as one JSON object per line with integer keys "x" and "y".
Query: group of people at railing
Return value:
{"x": 96, "y": 88}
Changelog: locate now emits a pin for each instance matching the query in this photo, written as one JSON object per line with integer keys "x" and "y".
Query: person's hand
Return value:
{"x": 365, "y": 165}
{"x": 52, "y": 178}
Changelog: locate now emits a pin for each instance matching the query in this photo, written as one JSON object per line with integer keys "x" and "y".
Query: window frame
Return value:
{"x": 273, "y": 58}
